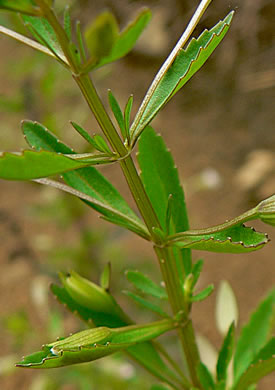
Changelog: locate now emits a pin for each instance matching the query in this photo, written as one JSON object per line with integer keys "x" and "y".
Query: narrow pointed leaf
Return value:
{"x": 101, "y": 144}
{"x": 105, "y": 277}
{"x": 186, "y": 64}
{"x": 117, "y": 113}
{"x": 68, "y": 23}
{"x": 205, "y": 377}
{"x": 161, "y": 180}
{"x": 23, "y": 6}
{"x": 254, "y": 335}
{"x": 44, "y": 33}
{"x": 145, "y": 284}
{"x": 89, "y": 181}
{"x": 85, "y": 135}
{"x": 127, "y": 114}
{"x": 235, "y": 239}
{"x": 196, "y": 271}
{"x": 145, "y": 303}
{"x": 202, "y": 295}
{"x": 93, "y": 344}
{"x": 225, "y": 354}
{"x": 32, "y": 165}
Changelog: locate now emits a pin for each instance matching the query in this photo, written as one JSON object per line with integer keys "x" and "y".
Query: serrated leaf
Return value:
{"x": 124, "y": 42}
{"x": 225, "y": 354}
{"x": 160, "y": 178}
{"x": 45, "y": 34}
{"x": 24, "y": 6}
{"x": 145, "y": 284}
{"x": 93, "y": 344}
{"x": 89, "y": 181}
{"x": 226, "y": 307}
{"x": 202, "y": 295}
{"x": 101, "y": 36}
{"x": 30, "y": 165}
{"x": 205, "y": 377}
{"x": 117, "y": 113}
{"x": 254, "y": 335}
{"x": 174, "y": 75}
{"x": 234, "y": 239}
{"x": 145, "y": 303}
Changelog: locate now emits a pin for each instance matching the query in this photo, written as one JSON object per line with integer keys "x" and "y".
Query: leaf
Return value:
{"x": 101, "y": 36}
{"x": 225, "y": 354}
{"x": 145, "y": 303}
{"x": 93, "y": 344}
{"x": 145, "y": 284}
{"x": 127, "y": 114}
{"x": 226, "y": 307}
{"x": 161, "y": 181}
{"x": 234, "y": 239}
{"x": 85, "y": 135}
{"x": 202, "y": 295}
{"x": 45, "y": 34}
{"x": 266, "y": 210}
{"x": 68, "y": 23}
{"x": 89, "y": 181}
{"x": 117, "y": 113}
{"x": 158, "y": 387}
{"x": 254, "y": 335}
{"x": 174, "y": 75}
{"x": 205, "y": 377}
{"x": 30, "y": 165}
{"x": 105, "y": 277}
{"x": 196, "y": 271}
{"x": 24, "y": 6}
{"x": 124, "y": 42}
{"x": 101, "y": 144}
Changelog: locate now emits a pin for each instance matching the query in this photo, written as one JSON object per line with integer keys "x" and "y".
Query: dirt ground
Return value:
{"x": 220, "y": 129}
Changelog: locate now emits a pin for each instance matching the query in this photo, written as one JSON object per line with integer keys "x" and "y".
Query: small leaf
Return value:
{"x": 234, "y": 239}
{"x": 68, "y": 23}
{"x": 196, "y": 271}
{"x": 145, "y": 303}
{"x": 23, "y": 6}
{"x": 254, "y": 335}
{"x": 45, "y": 34}
{"x": 161, "y": 181}
{"x": 127, "y": 114}
{"x": 205, "y": 377}
{"x": 93, "y": 344}
{"x": 202, "y": 295}
{"x": 225, "y": 354}
{"x": 32, "y": 165}
{"x": 174, "y": 75}
{"x": 145, "y": 284}
{"x": 89, "y": 181}
{"x": 80, "y": 41}
{"x": 101, "y": 144}
{"x": 226, "y": 307}
{"x": 101, "y": 36}
{"x": 117, "y": 113}
{"x": 85, "y": 135}
{"x": 105, "y": 277}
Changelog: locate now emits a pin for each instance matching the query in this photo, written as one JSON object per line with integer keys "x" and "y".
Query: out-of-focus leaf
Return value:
{"x": 159, "y": 387}
{"x": 202, "y": 295}
{"x": 233, "y": 239}
{"x": 171, "y": 78}
{"x": 226, "y": 353}
{"x": 86, "y": 180}
{"x": 68, "y": 23}
{"x": 101, "y": 36}
{"x": 226, "y": 307}
{"x": 24, "y": 6}
{"x": 124, "y": 42}
{"x": 145, "y": 284}
{"x": 205, "y": 377}
{"x": 160, "y": 178}
{"x": 105, "y": 277}
{"x": 44, "y": 33}
{"x": 93, "y": 344}
{"x": 33, "y": 165}
{"x": 254, "y": 335}
{"x": 145, "y": 303}
{"x": 196, "y": 271}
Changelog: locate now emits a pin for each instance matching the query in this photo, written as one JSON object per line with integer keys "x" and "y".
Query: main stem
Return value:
{"x": 164, "y": 255}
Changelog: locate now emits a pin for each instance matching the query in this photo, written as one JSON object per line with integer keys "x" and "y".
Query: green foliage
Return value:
{"x": 24, "y": 6}
{"x": 225, "y": 354}
{"x": 145, "y": 284}
{"x": 205, "y": 377}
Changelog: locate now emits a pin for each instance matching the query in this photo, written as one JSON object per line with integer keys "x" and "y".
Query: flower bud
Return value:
{"x": 266, "y": 210}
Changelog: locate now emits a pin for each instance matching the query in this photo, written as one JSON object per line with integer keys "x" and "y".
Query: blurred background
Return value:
{"x": 220, "y": 129}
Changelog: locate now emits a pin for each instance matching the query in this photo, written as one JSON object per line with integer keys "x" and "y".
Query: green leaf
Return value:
{"x": 145, "y": 284}
{"x": 159, "y": 387}
{"x": 234, "y": 239}
{"x": 254, "y": 335}
{"x": 45, "y": 34}
{"x": 124, "y": 42}
{"x": 266, "y": 210}
{"x": 202, "y": 295}
{"x": 145, "y": 303}
{"x": 196, "y": 271}
{"x": 127, "y": 114}
{"x": 24, "y": 6}
{"x": 85, "y": 135}
{"x": 105, "y": 277}
{"x": 93, "y": 344}
{"x": 117, "y": 113}
{"x": 101, "y": 144}
{"x": 68, "y": 23}
{"x": 174, "y": 75}
{"x": 101, "y": 36}
{"x": 87, "y": 180}
{"x": 160, "y": 178}
{"x": 30, "y": 165}
{"x": 205, "y": 377}
{"x": 225, "y": 354}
